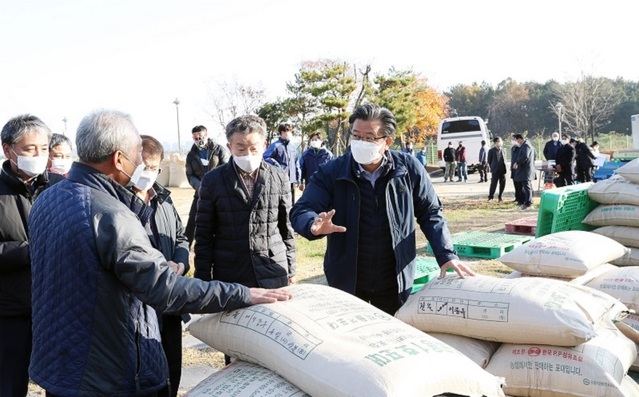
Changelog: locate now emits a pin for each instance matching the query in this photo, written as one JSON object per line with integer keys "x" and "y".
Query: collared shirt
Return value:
{"x": 372, "y": 177}
{"x": 248, "y": 179}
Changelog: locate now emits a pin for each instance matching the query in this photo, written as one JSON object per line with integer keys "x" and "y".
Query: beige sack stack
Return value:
{"x": 330, "y": 343}
{"x": 617, "y": 216}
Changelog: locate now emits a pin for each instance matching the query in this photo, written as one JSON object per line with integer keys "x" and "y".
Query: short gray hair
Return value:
{"x": 19, "y": 126}
{"x": 371, "y": 112}
{"x": 102, "y": 133}
{"x": 246, "y": 125}
{"x": 59, "y": 139}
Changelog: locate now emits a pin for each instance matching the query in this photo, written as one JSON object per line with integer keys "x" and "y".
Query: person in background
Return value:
{"x": 408, "y": 148}
{"x": 497, "y": 163}
{"x": 313, "y": 157}
{"x": 462, "y": 167}
{"x": 25, "y": 144}
{"x": 585, "y": 161}
{"x": 595, "y": 148}
{"x": 566, "y": 162}
{"x": 60, "y": 155}
{"x": 421, "y": 156}
{"x": 97, "y": 279}
{"x": 524, "y": 170}
{"x": 451, "y": 164}
{"x": 552, "y": 147}
{"x": 204, "y": 156}
{"x": 483, "y": 163}
{"x": 514, "y": 151}
{"x": 166, "y": 233}
{"x": 366, "y": 202}
{"x": 282, "y": 154}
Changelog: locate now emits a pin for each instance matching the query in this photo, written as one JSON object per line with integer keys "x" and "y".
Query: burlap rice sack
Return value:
{"x": 522, "y": 310}
{"x": 581, "y": 280}
{"x": 615, "y": 190}
{"x": 566, "y": 254}
{"x": 624, "y": 235}
{"x": 613, "y": 215}
{"x": 621, "y": 283}
{"x": 594, "y": 368}
{"x": 477, "y": 350}
{"x": 242, "y": 379}
{"x": 330, "y": 343}
{"x": 629, "y": 171}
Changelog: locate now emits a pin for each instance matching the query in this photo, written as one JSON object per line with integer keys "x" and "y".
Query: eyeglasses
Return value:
{"x": 369, "y": 139}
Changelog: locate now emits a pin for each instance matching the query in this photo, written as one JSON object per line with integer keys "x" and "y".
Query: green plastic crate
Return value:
{"x": 485, "y": 245}
{"x": 564, "y": 209}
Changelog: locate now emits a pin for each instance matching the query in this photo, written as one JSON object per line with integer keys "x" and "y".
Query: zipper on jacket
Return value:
{"x": 137, "y": 356}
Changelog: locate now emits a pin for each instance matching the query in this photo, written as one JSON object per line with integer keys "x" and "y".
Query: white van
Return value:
{"x": 471, "y": 130}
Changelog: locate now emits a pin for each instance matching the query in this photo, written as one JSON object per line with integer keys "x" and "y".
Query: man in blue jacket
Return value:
{"x": 366, "y": 202}
{"x": 281, "y": 154}
{"x": 313, "y": 157}
{"x": 96, "y": 277}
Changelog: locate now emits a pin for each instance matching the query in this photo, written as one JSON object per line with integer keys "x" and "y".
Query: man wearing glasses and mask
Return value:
{"x": 365, "y": 202}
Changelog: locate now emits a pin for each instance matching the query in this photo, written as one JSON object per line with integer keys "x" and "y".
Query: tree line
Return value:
{"x": 322, "y": 94}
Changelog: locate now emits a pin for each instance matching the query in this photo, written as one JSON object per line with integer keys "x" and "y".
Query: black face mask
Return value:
{"x": 201, "y": 143}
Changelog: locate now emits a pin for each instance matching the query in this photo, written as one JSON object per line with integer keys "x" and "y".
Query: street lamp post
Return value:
{"x": 64, "y": 120}
{"x": 559, "y": 107}
{"x": 177, "y": 113}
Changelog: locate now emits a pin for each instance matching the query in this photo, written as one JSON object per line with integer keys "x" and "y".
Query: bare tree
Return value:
{"x": 588, "y": 103}
{"x": 232, "y": 99}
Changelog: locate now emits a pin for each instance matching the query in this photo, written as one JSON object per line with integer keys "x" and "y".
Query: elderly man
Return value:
{"x": 25, "y": 143}
{"x": 524, "y": 170}
{"x": 552, "y": 147}
{"x": 97, "y": 275}
{"x": 366, "y": 202}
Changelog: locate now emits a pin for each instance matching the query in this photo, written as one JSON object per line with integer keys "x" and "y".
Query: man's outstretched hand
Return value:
{"x": 263, "y": 295}
{"x": 323, "y": 224}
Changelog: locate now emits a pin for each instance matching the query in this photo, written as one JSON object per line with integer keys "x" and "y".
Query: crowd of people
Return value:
{"x": 94, "y": 256}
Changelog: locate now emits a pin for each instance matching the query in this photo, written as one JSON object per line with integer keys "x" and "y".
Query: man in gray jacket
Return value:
{"x": 96, "y": 277}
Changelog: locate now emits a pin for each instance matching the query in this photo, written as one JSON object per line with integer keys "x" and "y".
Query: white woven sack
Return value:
{"x": 613, "y": 215}
{"x": 581, "y": 280}
{"x": 330, "y": 343}
{"x": 633, "y": 322}
{"x": 629, "y": 171}
{"x": 242, "y": 379}
{"x": 615, "y": 190}
{"x": 629, "y": 387}
{"x": 594, "y": 368}
{"x": 163, "y": 177}
{"x": 624, "y": 235}
{"x": 177, "y": 173}
{"x": 621, "y": 283}
{"x": 477, "y": 350}
{"x": 630, "y": 259}
{"x": 566, "y": 254}
{"x": 522, "y": 310}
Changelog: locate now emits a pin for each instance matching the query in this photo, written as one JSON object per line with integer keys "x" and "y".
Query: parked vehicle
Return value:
{"x": 471, "y": 130}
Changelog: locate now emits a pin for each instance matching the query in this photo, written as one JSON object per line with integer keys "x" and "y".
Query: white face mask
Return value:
{"x": 316, "y": 144}
{"x": 513, "y": 142}
{"x": 32, "y": 166}
{"x": 248, "y": 163}
{"x": 563, "y": 141}
{"x": 143, "y": 180}
{"x": 365, "y": 152}
{"x": 60, "y": 166}
{"x": 555, "y": 139}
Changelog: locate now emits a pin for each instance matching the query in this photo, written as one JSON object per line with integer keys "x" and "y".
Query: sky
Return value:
{"x": 62, "y": 59}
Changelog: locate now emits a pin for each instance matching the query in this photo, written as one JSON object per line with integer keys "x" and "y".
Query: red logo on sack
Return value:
{"x": 534, "y": 351}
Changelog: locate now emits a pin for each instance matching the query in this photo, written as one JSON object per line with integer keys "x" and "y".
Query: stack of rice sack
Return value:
{"x": 326, "y": 342}
{"x": 555, "y": 338}
{"x": 617, "y": 216}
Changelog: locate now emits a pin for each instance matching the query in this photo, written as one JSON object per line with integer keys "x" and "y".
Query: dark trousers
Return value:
{"x": 483, "y": 173}
{"x": 493, "y": 185}
{"x": 386, "y": 300}
{"x": 564, "y": 179}
{"x": 292, "y": 193}
{"x": 519, "y": 197}
{"x": 172, "y": 343}
{"x": 527, "y": 192}
{"x": 584, "y": 174}
{"x": 15, "y": 354}
{"x": 189, "y": 230}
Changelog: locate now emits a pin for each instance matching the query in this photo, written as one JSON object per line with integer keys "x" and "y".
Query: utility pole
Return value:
{"x": 177, "y": 113}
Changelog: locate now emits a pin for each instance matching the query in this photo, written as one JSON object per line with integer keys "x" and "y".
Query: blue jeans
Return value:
{"x": 462, "y": 171}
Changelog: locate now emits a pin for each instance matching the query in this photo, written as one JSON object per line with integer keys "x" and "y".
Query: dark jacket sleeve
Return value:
{"x": 194, "y": 181}
{"x": 14, "y": 255}
{"x": 284, "y": 224}
{"x": 124, "y": 247}
{"x": 205, "y": 229}
{"x": 547, "y": 149}
{"x": 428, "y": 211}
{"x": 317, "y": 198}
{"x": 181, "y": 254}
